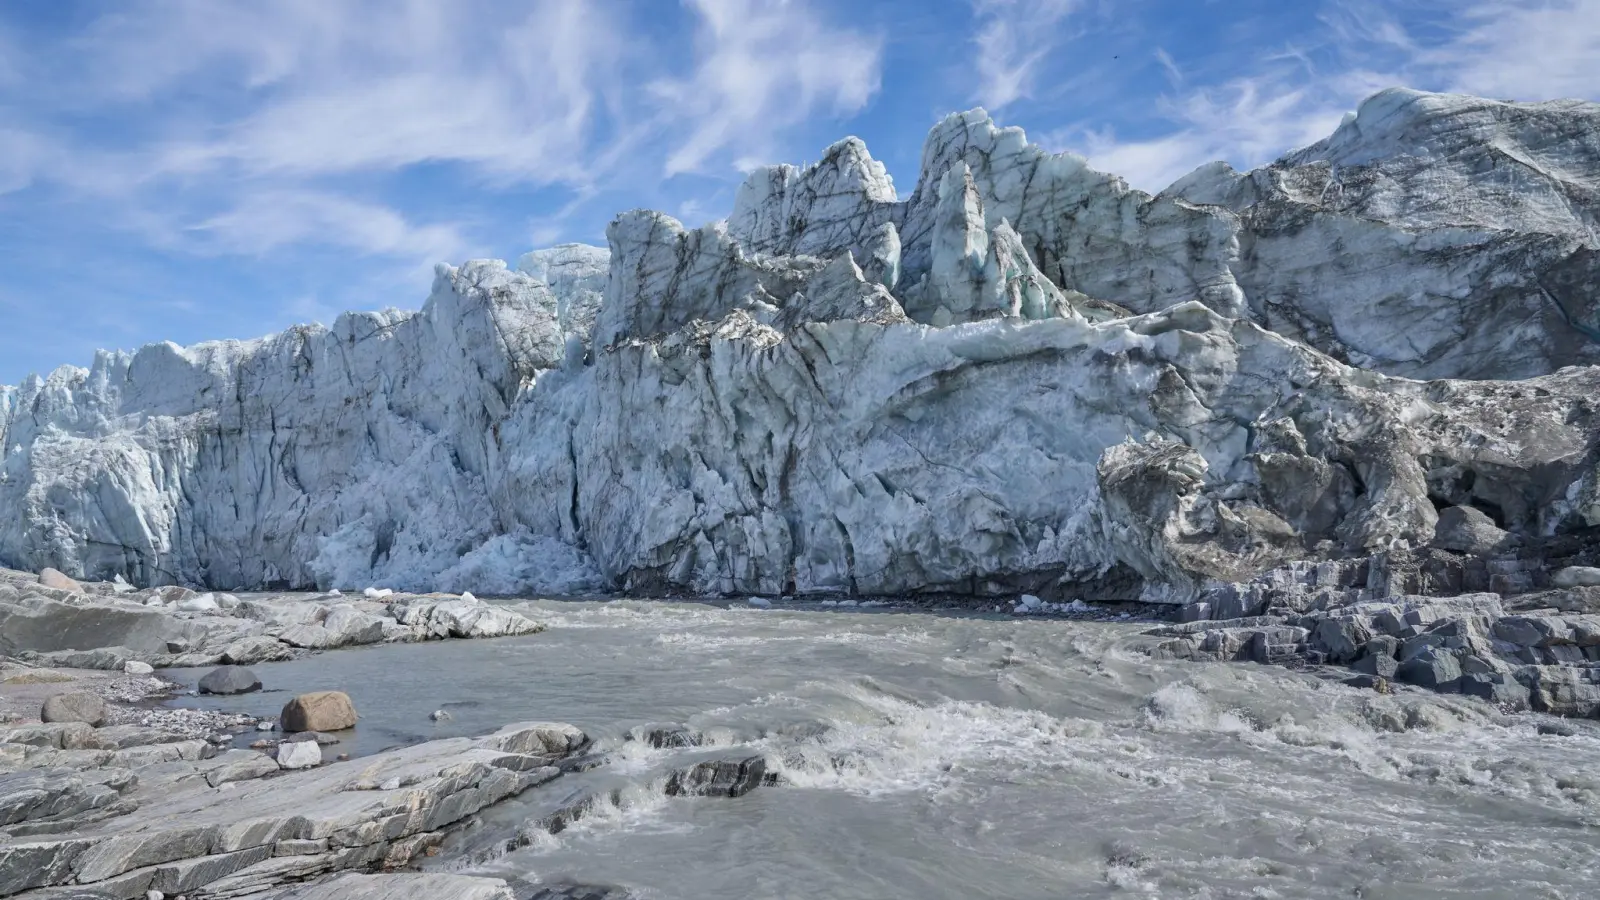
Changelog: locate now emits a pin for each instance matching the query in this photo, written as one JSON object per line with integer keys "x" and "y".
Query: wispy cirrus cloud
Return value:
{"x": 1013, "y": 39}
{"x": 1295, "y": 91}
{"x": 762, "y": 66}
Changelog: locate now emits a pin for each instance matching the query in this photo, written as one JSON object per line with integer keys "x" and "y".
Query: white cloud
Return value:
{"x": 1014, "y": 37}
{"x": 1293, "y": 96}
{"x": 1523, "y": 51}
{"x": 763, "y": 65}
{"x": 262, "y": 221}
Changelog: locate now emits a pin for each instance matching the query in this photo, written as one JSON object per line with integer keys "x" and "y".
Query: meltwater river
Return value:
{"x": 927, "y": 756}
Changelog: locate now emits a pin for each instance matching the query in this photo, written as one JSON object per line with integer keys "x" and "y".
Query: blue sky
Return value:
{"x": 194, "y": 169}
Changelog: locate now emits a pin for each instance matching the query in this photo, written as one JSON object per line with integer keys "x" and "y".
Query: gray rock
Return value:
{"x": 251, "y": 650}
{"x": 405, "y": 886}
{"x": 1562, "y": 690}
{"x": 78, "y": 706}
{"x": 1500, "y": 689}
{"x": 1576, "y": 576}
{"x": 1342, "y": 638}
{"x": 229, "y": 680}
{"x": 316, "y": 737}
{"x": 239, "y": 765}
{"x": 299, "y": 754}
{"x": 721, "y": 778}
{"x": 310, "y": 637}
{"x": 1467, "y": 529}
{"x": 1379, "y": 665}
{"x": 31, "y": 864}
{"x": 1432, "y": 667}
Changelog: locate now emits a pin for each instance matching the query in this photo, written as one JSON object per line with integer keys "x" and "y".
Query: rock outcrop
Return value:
{"x": 1025, "y": 376}
{"x": 180, "y": 817}
{"x": 104, "y": 628}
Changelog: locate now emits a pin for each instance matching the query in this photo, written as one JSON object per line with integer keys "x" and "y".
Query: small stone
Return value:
{"x": 135, "y": 667}
{"x": 440, "y": 715}
{"x": 317, "y": 737}
{"x": 78, "y": 706}
{"x": 229, "y": 680}
{"x": 178, "y": 645}
{"x": 299, "y": 755}
{"x": 260, "y": 745}
{"x": 265, "y": 725}
{"x": 1557, "y": 729}
{"x": 154, "y": 895}
{"x": 342, "y": 757}
{"x": 319, "y": 711}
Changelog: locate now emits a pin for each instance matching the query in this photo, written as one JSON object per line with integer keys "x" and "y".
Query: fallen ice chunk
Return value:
{"x": 376, "y": 593}
{"x": 760, "y": 602}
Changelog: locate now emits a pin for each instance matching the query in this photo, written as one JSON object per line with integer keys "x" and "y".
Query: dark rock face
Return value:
{"x": 721, "y": 778}
{"x": 1420, "y": 618}
{"x": 229, "y": 680}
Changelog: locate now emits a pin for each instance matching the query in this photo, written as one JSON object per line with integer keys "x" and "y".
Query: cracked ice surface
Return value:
{"x": 1025, "y": 376}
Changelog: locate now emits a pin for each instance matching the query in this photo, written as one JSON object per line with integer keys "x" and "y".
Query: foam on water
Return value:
{"x": 947, "y": 757}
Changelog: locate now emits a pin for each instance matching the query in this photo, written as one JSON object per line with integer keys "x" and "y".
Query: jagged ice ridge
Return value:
{"x": 1024, "y": 376}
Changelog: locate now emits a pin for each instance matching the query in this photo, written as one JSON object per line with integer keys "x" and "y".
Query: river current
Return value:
{"x": 929, "y": 756}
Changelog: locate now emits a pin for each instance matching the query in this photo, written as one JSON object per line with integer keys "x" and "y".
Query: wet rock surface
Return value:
{"x": 181, "y": 817}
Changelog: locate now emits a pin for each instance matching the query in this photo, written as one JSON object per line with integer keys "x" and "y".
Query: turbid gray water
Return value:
{"x": 926, "y": 756}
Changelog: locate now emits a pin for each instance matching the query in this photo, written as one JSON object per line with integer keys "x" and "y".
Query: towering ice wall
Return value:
{"x": 1025, "y": 375}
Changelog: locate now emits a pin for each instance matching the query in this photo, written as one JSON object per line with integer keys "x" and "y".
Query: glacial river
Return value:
{"x": 928, "y": 756}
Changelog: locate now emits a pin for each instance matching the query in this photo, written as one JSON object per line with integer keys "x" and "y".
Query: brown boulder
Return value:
{"x": 320, "y": 711}
{"x": 55, "y": 578}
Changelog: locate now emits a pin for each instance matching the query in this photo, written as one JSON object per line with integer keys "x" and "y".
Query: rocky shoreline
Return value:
{"x": 53, "y": 620}
{"x": 1518, "y": 628}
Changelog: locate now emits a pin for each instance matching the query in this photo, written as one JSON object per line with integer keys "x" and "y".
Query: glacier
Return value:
{"x": 1025, "y": 376}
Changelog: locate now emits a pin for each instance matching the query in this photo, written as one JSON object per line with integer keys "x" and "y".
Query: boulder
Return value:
{"x": 55, "y": 578}
{"x": 319, "y": 711}
{"x": 1431, "y": 667}
{"x": 1467, "y": 529}
{"x": 229, "y": 680}
{"x": 1342, "y": 637}
{"x": 77, "y": 706}
{"x": 1499, "y": 689}
{"x": 135, "y": 667}
{"x": 1576, "y": 576}
{"x": 299, "y": 754}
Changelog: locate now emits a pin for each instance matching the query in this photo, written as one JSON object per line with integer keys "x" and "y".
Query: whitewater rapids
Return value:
{"x": 929, "y": 756}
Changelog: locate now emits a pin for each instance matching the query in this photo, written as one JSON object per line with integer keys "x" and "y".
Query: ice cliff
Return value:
{"x": 1024, "y": 376}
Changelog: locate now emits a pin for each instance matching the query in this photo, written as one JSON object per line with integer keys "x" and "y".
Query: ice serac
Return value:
{"x": 1026, "y": 376}
{"x": 576, "y": 275}
{"x": 1431, "y": 236}
{"x": 344, "y": 455}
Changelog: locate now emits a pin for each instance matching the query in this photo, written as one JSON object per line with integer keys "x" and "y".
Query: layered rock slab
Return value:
{"x": 252, "y": 835}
